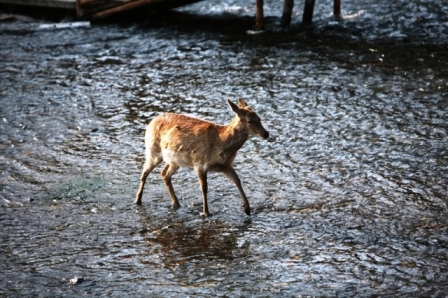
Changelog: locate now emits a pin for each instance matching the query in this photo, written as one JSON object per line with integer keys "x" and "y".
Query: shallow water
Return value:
{"x": 348, "y": 195}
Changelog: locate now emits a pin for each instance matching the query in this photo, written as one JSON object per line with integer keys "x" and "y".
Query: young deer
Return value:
{"x": 183, "y": 141}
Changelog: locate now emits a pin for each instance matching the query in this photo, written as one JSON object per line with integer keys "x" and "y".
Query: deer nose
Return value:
{"x": 266, "y": 135}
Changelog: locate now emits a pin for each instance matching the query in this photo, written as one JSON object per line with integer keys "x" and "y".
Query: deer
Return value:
{"x": 185, "y": 141}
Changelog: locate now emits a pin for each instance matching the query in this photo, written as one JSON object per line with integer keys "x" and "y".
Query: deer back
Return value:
{"x": 188, "y": 141}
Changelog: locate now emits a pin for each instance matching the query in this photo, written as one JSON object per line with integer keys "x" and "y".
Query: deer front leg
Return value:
{"x": 202, "y": 176}
{"x": 167, "y": 172}
{"x": 230, "y": 172}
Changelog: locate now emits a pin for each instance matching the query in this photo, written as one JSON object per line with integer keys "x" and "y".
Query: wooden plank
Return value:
{"x": 68, "y": 4}
{"x": 86, "y": 8}
{"x": 86, "y": 2}
{"x": 156, "y": 4}
{"x": 6, "y": 18}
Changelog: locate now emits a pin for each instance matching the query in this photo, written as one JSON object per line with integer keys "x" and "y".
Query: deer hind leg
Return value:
{"x": 150, "y": 164}
{"x": 202, "y": 176}
{"x": 232, "y": 175}
{"x": 167, "y": 172}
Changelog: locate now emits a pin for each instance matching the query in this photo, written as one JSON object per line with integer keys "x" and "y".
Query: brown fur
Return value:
{"x": 184, "y": 141}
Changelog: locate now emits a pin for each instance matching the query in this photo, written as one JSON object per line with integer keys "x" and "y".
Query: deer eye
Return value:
{"x": 250, "y": 122}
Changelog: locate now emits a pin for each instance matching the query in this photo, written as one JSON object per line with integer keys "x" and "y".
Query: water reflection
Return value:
{"x": 178, "y": 242}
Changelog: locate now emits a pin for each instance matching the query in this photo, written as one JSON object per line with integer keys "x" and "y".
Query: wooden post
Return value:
{"x": 259, "y": 15}
{"x": 79, "y": 12}
{"x": 337, "y": 8}
{"x": 288, "y": 6}
{"x": 308, "y": 12}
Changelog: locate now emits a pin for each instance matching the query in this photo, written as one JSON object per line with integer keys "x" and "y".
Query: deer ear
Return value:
{"x": 233, "y": 106}
{"x": 242, "y": 103}
{"x": 239, "y": 112}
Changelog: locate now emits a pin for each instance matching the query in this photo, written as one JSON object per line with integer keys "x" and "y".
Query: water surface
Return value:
{"x": 349, "y": 194}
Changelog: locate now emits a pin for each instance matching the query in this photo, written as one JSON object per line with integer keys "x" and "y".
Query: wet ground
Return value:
{"x": 349, "y": 195}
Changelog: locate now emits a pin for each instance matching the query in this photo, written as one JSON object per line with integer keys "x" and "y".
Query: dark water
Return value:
{"x": 349, "y": 196}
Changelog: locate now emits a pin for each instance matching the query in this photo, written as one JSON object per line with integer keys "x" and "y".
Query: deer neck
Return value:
{"x": 235, "y": 134}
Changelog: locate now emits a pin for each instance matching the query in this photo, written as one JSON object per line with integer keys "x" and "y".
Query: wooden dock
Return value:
{"x": 100, "y": 9}
{"x": 65, "y": 4}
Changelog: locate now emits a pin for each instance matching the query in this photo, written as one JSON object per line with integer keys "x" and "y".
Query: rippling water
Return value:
{"x": 349, "y": 194}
